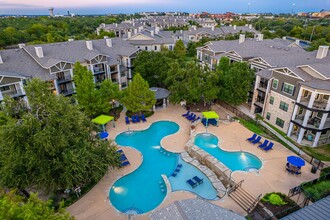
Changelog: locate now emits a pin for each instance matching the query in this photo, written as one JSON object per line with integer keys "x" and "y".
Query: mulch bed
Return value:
{"x": 199, "y": 108}
{"x": 283, "y": 210}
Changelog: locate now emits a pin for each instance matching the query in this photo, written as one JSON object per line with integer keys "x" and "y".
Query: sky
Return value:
{"x": 36, "y": 7}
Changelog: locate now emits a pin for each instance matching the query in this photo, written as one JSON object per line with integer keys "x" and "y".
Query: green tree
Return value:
{"x": 52, "y": 146}
{"x": 93, "y": 101}
{"x": 137, "y": 96}
{"x": 179, "y": 49}
{"x": 236, "y": 83}
{"x": 191, "y": 49}
{"x": 13, "y": 206}
{"x": 316, "y": 43}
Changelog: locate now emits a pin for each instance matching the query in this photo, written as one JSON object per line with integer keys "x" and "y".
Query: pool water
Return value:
{"x": 238, "y": 160}
{"x": 144, "y": 189}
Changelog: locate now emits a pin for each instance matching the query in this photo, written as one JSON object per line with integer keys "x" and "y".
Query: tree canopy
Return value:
{"x": 91, "y": 100}
{"x": 137, "y": 96}
{"x": 13, "y": 206}
{"x": 179, "y": 49}
{"x": 52, "y": 146}
{"x": 235, "y": 81}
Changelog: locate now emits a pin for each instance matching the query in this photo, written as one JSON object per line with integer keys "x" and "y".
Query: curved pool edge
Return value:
{"x": 165, "y": 178}
{"x": 192, "y": 138}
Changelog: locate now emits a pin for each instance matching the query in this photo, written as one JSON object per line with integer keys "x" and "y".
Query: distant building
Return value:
{"x": 51, "y": 12}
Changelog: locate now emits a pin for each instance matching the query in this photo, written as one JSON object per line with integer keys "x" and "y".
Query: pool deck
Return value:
{"x": 232, "y": 137}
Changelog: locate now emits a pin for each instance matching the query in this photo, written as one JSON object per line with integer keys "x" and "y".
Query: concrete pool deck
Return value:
{"x": 232, "y": 137}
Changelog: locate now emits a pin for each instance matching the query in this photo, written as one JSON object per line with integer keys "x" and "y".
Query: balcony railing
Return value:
{"x": 313, "y": 123}
{"x": 13, "y": 93}
{"x": 67, "y": 92}
{"x": 318, "y": 104}
{"x": 98, "y": 71}
{"x": 64, "y": 80}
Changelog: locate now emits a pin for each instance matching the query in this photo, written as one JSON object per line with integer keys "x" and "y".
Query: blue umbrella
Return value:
{"x": 296, "y": 161}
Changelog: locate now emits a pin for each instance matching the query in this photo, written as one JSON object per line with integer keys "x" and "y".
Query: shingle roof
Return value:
{"x": 160, "y": 92}
{"x": 318, "y": 210}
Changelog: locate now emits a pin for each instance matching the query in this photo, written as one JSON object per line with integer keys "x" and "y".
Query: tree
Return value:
{"x": 179, "y": 49}
{"x": 137, "y": 96}
{"x": 13, "y": 206}
{"x": 93, "y": 101}
{"x": 153, "y": 67}
{"x": 316, "y": 43}
{"x": 236, "y": 83}
{"x": 191, "y": 49}
{"x": 52, "y": 145}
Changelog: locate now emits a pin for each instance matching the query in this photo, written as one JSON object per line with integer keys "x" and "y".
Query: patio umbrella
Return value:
{"x": 296, "y": 161}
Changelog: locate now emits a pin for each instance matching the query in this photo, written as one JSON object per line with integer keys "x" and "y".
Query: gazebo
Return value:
{"x": 161, "y": 96}
{"x": 103, "y": 120}
{"x": 211, "y": 115}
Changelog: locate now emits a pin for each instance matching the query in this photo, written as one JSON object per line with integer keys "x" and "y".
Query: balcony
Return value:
{"x": 67, "y": 92}
{"x": 317, "y": 105}
{"x": 64, "y": 79}
{"x": 98, "y": 71}
{"x": 13, "y": 93}
{"x": 262, "y": 86}
{"x": 312, "y": 123}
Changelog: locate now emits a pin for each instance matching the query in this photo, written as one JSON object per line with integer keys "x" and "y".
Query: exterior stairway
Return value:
{"x": 243, "y": 198}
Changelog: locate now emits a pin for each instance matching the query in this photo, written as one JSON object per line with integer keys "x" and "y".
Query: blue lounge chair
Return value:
{"x": 252, "y": 138}
{"x": 123, "y": 157}
{"x": 127, "y": 120}
{"x": 179, "y": 165}
{"x": 269, "y": 147}
{"x": 174, "y": 174}
{"x": 125, "y": 163}
{"x": 298, "y": 172}
{"x": 204, "y": 121}
{"x": 186, "y": 114}
{"x": 143, "y": 118}
{"x": 213, "y": 122}
{"x": 133, "y": 119}
{"x": 257, "y": 140}
{"x": 198, "y": 180}
{"x": 191, "y": 183}
{"x": 264, "y": 144}
{"x": 191, "y": 114}
{"x": 137, "y": 118}
{"x": 192, "y": 118}
{"x": 177, "y": 170}
{"x": 196, "y": 119}
{"x": 120, "y": 151}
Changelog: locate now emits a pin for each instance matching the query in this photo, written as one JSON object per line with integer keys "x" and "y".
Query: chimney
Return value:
{"x": 152, "y": 33}
{"x": 129, "y": 34}
{"x": 103, "y": 25}
{"x": 246, "y": 25}
{"x": 135, "y": 31}
{"x": 241, "y": 38}
{"x": 156, "y": 30}
{"x": 140, "y": 28}
{"x": 260, "y": 37}
{"x": 297, "y": 41}
{"x": 235, "y": 27}
{"x": 89, "y": 45}
{"x": 322, "y": 52}
{"x": 181, "y": 31}
{"x": 250, "y": 26}
{"x": 39, "y": 52}
{"x": 116, "y": 25}
{"x": 1, "y": 61}
{"x": 194, "y": 27}
{"x": 70, "y": 39}
{"x": 174, "y": 19}
{"x": 108, "y": 42}
{"x": 21, "y": 46}
{"x": 284, "y": 38}
{"x": 212, "y": 28}
{"x": 133, "y": 24}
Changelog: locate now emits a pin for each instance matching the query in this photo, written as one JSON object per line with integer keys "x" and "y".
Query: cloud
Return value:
{"x": 9, "y": 5}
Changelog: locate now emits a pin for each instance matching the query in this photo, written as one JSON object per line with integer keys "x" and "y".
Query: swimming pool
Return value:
{"x": 144, "y": 189}
{"x": 238, "y": 160}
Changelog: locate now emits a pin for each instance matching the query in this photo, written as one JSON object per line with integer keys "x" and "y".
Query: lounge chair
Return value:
{"x": 199, "y": 181}
{"x": 133, "y": 119}
{"x": 192, "y": 183}
{"x": 189, "y": 116}
{"x": 137, "y": 119}
{"x": 257, "y": 140}
{"x": 125, "y": 163}
{"x": 123, "y": 157}
{"x": 264, "y": 144}
{"x": 192, "y": 118}
{"x": 174, "y": 174}
{"x": 120, "y": 151}
{"x": 213, "y": 122}
{"x": 196, "y": 119}
{"x": 298, "y": 172}
{"x": 143, "y": 118}
{"x": 179, "y": 165}
{"x": 186, "y": 114}
{"x": 127, "y": 120}
{"x": 204, "y": 121}
{"x": 269, "y": 147}
{"x": 252, "y": 138}
{"x": 177, "y": 170}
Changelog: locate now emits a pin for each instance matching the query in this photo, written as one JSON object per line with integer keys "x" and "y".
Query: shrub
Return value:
{"x": 146, "y": 113}
{"x": 274, "y": 199}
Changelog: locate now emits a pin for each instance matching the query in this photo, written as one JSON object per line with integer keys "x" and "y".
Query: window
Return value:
{"x": 146, "y": 48}
{"x": 275, "y": 83}
{"x": 122, "y": 74}
{"x": 325, "y": 97}
{"x": 280, "y": 122}
{"x": 124, "y": 85}
{"x": 288, "y": 88}
{"x": 155, "y": 47}
{"x": 4, "y": 88}
{"x": 268, "y": 116}
{"x": 271, "y": 100}
{"x": 284, "y": 106}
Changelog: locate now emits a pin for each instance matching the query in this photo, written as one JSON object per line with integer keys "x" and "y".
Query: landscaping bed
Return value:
{"x": 146, "y": 113}
{"x": 319, "y": 190}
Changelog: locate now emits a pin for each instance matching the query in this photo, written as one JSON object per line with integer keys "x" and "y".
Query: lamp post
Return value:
{"x": 113, "y": 107}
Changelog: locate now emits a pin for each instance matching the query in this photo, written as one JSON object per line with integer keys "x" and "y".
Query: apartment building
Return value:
{"x": 292, "y": 86}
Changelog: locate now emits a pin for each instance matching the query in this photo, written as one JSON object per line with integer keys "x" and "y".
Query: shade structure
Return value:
{"x": 296, "y": 161}
{"x": 102, "y": 119}
{"x": 211, "y": 115}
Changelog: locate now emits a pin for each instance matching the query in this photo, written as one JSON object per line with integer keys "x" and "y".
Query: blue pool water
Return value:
{"x": 144, "y": 189}
{"x": 238, "y": 160}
